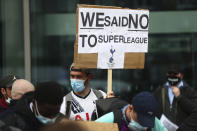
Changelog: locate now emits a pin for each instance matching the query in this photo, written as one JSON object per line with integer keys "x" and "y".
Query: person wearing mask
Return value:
{"x": 6, "y": 87}
{"x": 138, "y": 116}
{"x": 168, "y": 104}
{"x": 37, "y": 109}
{"x": 19, "y": 88}
{"x": 79, "y": 104}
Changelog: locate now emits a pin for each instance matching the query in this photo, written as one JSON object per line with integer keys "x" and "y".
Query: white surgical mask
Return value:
{"x": 8, "y": 100}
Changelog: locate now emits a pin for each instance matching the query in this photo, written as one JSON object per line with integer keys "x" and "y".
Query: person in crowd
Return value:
{"x": 19, "y": 88}
{"x": 6, "y": 87}
{"x": 190, "y": 123}
{"x": 79, "y": 104}
{"x": 36, "y": 109}
{"x": 138, "y": 116}
{"x": 168, "y": 104}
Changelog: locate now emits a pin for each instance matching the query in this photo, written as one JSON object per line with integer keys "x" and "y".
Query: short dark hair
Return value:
{"x": 7, "y": 81}
{"x": 49, "y": 93}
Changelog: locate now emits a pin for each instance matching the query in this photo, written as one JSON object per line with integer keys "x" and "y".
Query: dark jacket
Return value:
{"x": 9, "y": 109}
{"x": 174, "y": 112}
{"x": 4, "y": 127}
{"x": 22, "y": 116}
{"x": 114, "y": 105}
{"x": 118, "y": 118}
{"x": 190, "y": 123}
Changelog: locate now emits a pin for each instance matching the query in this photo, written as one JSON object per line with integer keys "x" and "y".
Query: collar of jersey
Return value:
{"x": 82, "y": 96}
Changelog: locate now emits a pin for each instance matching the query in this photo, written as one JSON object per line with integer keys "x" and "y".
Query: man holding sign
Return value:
{"x": 106, "y": 38}
{"x": 79, "y": 104}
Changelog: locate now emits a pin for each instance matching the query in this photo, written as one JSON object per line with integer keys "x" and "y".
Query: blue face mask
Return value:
{"x": 45, "y": 120}
{"x": 42, "y": 119}
{"x": 134, "y": 126}
{"x": 77, "y": 85}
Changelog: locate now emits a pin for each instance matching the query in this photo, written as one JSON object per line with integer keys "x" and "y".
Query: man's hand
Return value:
{"x": 176, "y": 91}
{"x": 110, "y": 94}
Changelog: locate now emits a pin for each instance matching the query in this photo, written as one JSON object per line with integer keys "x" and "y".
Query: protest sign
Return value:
{"x": 98, "y": 126}
{"x": 70, "y": 125}
{"x": 111, "y": 37}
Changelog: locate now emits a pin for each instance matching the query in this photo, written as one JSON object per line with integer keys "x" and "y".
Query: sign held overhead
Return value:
{"x": 111, "y": 33}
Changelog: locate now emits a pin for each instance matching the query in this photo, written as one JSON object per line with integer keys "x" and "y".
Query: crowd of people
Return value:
{"x": 25, "y": 107}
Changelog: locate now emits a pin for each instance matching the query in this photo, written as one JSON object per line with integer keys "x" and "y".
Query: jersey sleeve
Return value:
{"x": 63, "y": 106}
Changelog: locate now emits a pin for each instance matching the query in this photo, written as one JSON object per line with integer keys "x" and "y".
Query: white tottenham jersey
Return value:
{"x": 82, "y": 108}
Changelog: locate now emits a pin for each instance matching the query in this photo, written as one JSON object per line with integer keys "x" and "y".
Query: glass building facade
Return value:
{"x": 37, "y": 42}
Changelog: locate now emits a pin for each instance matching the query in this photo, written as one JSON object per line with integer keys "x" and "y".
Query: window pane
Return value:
{"x": 11, "y": 38}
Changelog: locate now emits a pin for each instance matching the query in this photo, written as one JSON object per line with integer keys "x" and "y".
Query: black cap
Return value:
{"x": 87, "y": 71}
{"x": 7, "y": 81}
{"x": 174, "y": 68}
{"x": 145, "y": 105}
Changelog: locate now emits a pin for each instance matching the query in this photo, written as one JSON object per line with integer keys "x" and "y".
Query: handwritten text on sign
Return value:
{"x": 111, "y": 33}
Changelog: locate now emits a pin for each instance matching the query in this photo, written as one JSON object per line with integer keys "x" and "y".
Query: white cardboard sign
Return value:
{"x": 111, "y": 33}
